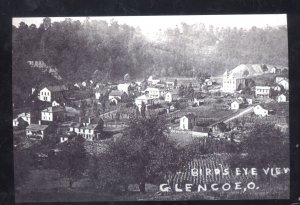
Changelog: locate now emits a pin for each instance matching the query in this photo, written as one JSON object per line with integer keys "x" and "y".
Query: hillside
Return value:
{"x": 251, "y": 70}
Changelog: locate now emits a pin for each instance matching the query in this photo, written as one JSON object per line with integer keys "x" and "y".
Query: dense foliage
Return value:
{"x": 106, "y": 51}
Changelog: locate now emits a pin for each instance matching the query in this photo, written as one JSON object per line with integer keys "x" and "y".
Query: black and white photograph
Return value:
{"x": 150, "y": 108}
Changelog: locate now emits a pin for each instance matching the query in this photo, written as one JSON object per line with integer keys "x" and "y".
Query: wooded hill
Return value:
{"x": 78, "y": 49}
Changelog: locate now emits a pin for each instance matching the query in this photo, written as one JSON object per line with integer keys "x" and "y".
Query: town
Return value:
{"x": 211, "y": 107}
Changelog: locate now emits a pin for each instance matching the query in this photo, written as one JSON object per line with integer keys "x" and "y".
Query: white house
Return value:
{"x": 52, "y": 93}
{"x": 187, "y": 122}
{"x": 55, "y": 103}
{"x": 99, "y": 93}
{"x": 235, "y": 105}
{"x": 51, "y": 114}
{"x": 260, "y": 111}
{"x": 208, "y": 82}
{"x": 284, "y": 83}
{"x": 37, "y": 131}
{"x": 123, "y": 87}
{"x": 281, "y": 98}
{"x": 231, "y": 83}
{"x": 262, "y": 91}
{"x": 25, "y": 116}
{"x": 151, "y": 81}
{"x": 117, "y": 94}
{"x": 279, "y": 78}
{"x": 143, "y": 99}
{"x": 274, "y": 70}
{"x": 171, "y": 96}
{"x": 170, "y": 84}
{"x": 154, "y": 92}
{"x": 88, "y": 130}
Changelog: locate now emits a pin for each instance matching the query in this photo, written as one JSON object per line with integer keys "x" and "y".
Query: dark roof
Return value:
{"x": 116, "y": 93}
{"x": 57, "y": 88}
{"x": 190, "y": 116}
{"x": 201, "y": 129}
{"x": 36, "y": 127}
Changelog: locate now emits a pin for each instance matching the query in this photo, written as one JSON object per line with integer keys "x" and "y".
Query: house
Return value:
{"x": 154, "y": 92}
{"x": 279, "y": 78}
{"x": 172, "y": 108}
{"x": 274, "y": 70}
{"x": 198, "y": 101}
{"x": 88, "y": 128}
{"x": 170, "y": 84}
{"x": 249, "y": 99}
{"x": 260, "y": 111}
{"x": 124, "y": 87}
{"x": 99, "y": 93}
{"x": 84, "y": 84}
{"x": 283, "y": 127}
{"x": 117, "y": 94}
{"x": 143, "y": 99}
{"x": 77, "y": 85}
{"x": 52, "y": 114}
{"x": 37, "y": 131}
{"x": 232, "y": 83}
{"x": 114, "y": 100}
{"x": 285, "y": 83}
{"x": 171, "y": 96}
{"x": 235, "y": 105}
{"x": 198, "y": 131}
{"x": 208, "y": 82}
{"x": 262, "y": 91}
{"x": 187, "y": 122}
{"x": 281, "y": 98}
{"x": 55, "y": 103}
{"x": 277, "y": 88}
{"x": 151, "y": 81}
{"x": 51, "y": 93}
{"x": 25, "y": 116}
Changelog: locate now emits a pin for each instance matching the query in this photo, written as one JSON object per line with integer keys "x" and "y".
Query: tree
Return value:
{"x": 175, "y": 83}
{"x": 261, "y": 145}
{"x": 143, "y": 109}
{"x": 71, "y": 161}
{"x": 190, "y": 91}
{"x": 181, "y": 91}
{"x": 142, "y": 155}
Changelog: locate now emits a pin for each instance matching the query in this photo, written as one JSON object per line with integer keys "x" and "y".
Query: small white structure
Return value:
{"x": 51, "y": 114}
{"x": 281, "y": 98}
{"x": 284, "y": 83}
{"x": 262, "y": 91}
{"x": 151, "y": 81}
{"x": 260, "y": 111}
{"x": 171, "y": 96}
{"x": 123, "y": 87}
{"x": 55, "y": 103}
{"x": 274, "y": 70}
{"x": 153, "y": 92}
{"x": 143, "y": 99}
{"x": 117, "y": 94}
{"x": 52, "y": 93}
{"x": 208, "y": 82}
{"x": 186, "y": 122}
{"x": 235, "y": 105}
{"x": 37, "y": 131}
{"x": 279, "y": 78}
{"x": 84, "y": 84}
{"x": 25, "y": 116}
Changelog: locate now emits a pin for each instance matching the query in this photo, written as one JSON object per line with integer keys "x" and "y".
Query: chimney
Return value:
{"x": 40, "y": 122}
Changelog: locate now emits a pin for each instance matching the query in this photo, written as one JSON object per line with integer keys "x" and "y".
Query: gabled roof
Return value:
{"x": 201, "y": 129}
{"x": 37, "y": 127}
{"x": 116, "y": 93}
{"x": 143, "y": 97}
{"x": 189, "y": 116}
{"x": 57, "y": 88}
{"x": 54, "y": 109}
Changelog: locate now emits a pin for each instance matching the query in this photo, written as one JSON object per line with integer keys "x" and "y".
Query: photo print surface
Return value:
{"x": 154, "y": 108}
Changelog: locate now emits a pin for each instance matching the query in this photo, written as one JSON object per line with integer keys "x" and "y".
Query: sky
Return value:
{"x": 150, "y": 25}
